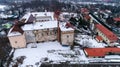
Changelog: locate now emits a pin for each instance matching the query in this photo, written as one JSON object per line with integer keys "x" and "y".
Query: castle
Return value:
{"x": 38, "y": 27}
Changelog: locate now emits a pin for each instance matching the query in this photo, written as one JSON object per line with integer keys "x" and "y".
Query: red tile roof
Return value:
{"x": 99, "y": 38}
{"x": 117, "y": 19}
{"x": 87, "y": 17}
{"x": 110, "y": 35}
{"x": 100, "y": 52}
{"x": 69, "y": 25}
{"x": 17, "y": 28}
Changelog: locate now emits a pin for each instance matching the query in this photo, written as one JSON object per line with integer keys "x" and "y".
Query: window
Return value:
{"x": 42, "y": 34}
{"x": 16, "y": 42}
{"x": 51, "y": 33}
{"x": 47, "y": 33}
{"x": 55, "y": 32}
{"x": 67, "y": 36}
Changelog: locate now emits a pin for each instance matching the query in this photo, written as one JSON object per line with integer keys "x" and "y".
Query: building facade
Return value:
{"x": 67, "y": 37}
{"x": 18, "y": 41}
{"x": 49, "y": 34}
{"x": 30, "y": 36}
{"x": 108, "y": 36}
{"x": 16, "y": 37}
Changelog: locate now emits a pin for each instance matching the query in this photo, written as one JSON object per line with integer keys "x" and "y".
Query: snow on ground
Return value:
{"x": 52, "y": 50}
{"x": 88, "y": 41}
{"x": 113, "y": 56}
{"x": 34, "y": 55}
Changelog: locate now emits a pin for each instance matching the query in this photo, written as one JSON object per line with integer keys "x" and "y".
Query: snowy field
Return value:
{"x": 34, "y": 54}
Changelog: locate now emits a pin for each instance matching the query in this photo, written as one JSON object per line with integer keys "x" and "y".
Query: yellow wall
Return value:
{"x": 46, "y": 35}
{"x": 17, "y": 41}
{"x": 67, "y": 38}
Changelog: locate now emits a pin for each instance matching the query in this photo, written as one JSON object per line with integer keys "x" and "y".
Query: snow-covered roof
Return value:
{"x": 44, "y": 25}
{"x": 43, "y": 14}
{"x": 70, "y": 14}
{"x": 13, "y": 33}
{"x": 28, "y": 27}
{"x": 26, "y": 17}
{"x": 40, "y": 25}
{"x": 64, "y": 28}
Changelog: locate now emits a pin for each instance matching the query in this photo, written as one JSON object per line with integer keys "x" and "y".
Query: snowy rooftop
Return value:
{"x": 71, "y": 14}
{"x": 40, "y": 25}
{"x": 26, "y": 17}
{"x": 13, "y": 33}
{"x": 64, "y": 28}
{"x": 44, "y": 25}
{"x": 28, "y": 27}
{"x": 43, "y": 14}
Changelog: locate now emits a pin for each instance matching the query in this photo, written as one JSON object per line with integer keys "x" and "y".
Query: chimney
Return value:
{"x": 56, "y": 15}
{"x": 58, "y": 31}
